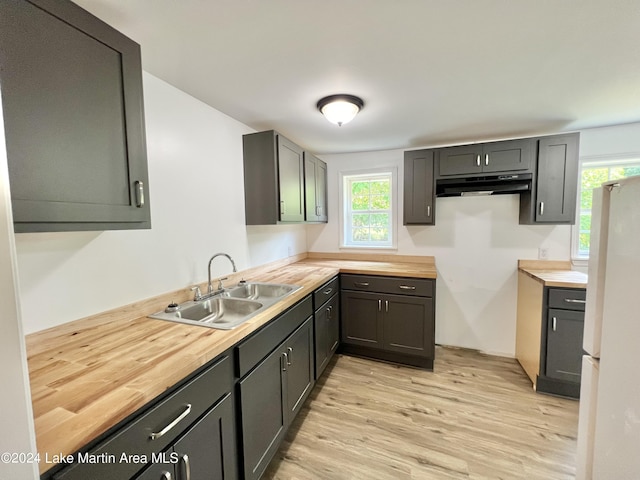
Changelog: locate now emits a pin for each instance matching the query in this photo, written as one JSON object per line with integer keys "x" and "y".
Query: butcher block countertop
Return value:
{"x": 553, "y": 273}
{"x": 88, "y": 375}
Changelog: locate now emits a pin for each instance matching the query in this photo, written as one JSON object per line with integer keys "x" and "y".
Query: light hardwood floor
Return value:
{"x": 474, "y": 417}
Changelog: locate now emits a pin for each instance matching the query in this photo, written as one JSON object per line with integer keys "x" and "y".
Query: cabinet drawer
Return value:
{"x": 397, "y": 285}
{"x": 325, "y": 292}
{"x": 196, "y": 397}
{"x": 260, "y": 344}
{"x": 567, "y": 298}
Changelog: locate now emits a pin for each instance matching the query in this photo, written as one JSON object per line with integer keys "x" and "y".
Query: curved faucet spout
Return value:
{"x": 233, "y": 264}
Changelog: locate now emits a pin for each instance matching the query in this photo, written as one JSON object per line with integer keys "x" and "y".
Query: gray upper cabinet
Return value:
{"x": 419, "y": 192}
{"x": 553, "y": 199}
{"x": 273, "y": 179}
{"x": 494, "y": 157}
{"x": 74, "y": 120}
{"x": 315, "y": 189}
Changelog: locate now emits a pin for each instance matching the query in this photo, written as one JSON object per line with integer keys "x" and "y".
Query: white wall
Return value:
{"x": 197, "y": 209}
{"x": 476, "y": 241}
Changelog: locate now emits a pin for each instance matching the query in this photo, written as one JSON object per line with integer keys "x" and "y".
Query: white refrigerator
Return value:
{"x": 609, "y": 418}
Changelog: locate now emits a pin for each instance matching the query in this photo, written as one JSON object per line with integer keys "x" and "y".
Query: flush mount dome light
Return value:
{"x": 340, "y": 109}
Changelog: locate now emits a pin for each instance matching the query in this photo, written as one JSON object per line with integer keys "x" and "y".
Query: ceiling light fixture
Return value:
{"x": 340, "y": 109}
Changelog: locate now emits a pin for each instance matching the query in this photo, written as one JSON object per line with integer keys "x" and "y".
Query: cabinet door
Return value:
{"x": 263, "y": 413}
{"x": 327, "y": 333}
{"x": 408, "y": 325}
{"x": 73, "y": 117}
{"x": 299, "y": 368}
{"x": 290, "y": 181}
{"x": 361, "y": 319}
{"x": 321, "y": 191}
{"x": 564, "y": 344}
{"x": 315, "y": 188}
{"x": 208, "y": 449}
{"x": 321, "y": 320}
{"x": 419, "y": 199}
{"x": 459, "y": 160}
{"x": 159, "y": 471}
{"x": 507, "y": 156}
{"x": 557, "y": 179}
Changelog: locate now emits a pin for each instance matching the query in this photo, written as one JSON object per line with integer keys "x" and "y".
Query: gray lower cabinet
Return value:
{"x": 388, "y": 318}
{"x": 562, "y": 334}
{"x": 274, "y": 389}
{"x": 326, "y": 324}
{"x": 207, "y": 451}
{"x": 315, "y": 189}
{"x": 189, "y": 434}
{"x": 553, "y": 198}
{"x": 74, "y": 120}
{"x": 490, "y": 158}
{"x": 419, "y": 188}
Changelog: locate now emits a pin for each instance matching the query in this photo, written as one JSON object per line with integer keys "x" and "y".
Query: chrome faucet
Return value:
{"x": 220, "y": 286}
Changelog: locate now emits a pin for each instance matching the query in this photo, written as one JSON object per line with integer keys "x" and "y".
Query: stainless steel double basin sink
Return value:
{"x": 231, "y": 307}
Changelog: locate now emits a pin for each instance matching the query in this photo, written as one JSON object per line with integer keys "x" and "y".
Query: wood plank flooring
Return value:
{"x": 475, "y": 417}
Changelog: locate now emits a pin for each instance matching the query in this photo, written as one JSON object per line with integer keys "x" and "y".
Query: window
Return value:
{"x": 593, "y": 172}
{"x": 368, "y": 209}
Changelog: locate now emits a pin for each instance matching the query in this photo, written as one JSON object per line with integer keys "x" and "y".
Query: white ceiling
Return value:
{"x": 431, "y": 72}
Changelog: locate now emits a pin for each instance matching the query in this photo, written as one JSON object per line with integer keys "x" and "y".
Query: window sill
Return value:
{"x": 580, "y": 262}
{"x": 368, "y": 247}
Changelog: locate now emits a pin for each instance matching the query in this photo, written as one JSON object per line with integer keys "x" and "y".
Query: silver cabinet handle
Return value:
{"x": 478, "y": 160}
{"x": 486, "y": 159}
{"x": 185, "y": 467}
{"x": 139, "y": 194}
{"x": 289, "y": 356}
{"x": 328, "y": 291}
{"x": 330, "y": 311}
{"x": 407, "y": 287}
{"x": 165, "y": 476}
{"x": 541, "y": 208}
{"x": 284, "y": 361}
{"x": 428, "y": 210}
{"x": 180, "y": 417}
{"x": 317, "y": 211}
{"x": 281, "y": 207}
{"x": 554, "y": 323}
{"x": 574, "y": 300}
{"x": 361, "y": 284}
{"x": 386, "y": 306}
{"x": 379, "y": 305}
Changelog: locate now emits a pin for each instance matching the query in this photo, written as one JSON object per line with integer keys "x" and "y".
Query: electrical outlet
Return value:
{"x": 543, "y": 253}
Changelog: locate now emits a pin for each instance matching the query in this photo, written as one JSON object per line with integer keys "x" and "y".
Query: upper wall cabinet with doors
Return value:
{"x": 552, "y": 199}
{"x": 315, "y": 189}
{"x": 506, "y": 156}
{"x": 551, "y": 161}
{"x": 274, "y": 181}
{"x": 419, "y": 191}
{"x": 74, "y": 120}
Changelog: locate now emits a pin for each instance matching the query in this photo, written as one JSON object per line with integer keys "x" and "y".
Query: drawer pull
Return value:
{"x": 185, "y": 467}
{"x": 328, "y": 291}
{"x": 486, "y": 159}
{"x": 574, "y": 300}
{"x": 407, "y": 287}
{"x": 180, "y": 417}
{"x": 478, "y": 160}
{"x": 361, "y": 284}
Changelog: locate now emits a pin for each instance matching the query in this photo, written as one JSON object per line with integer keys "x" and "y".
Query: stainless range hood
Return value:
{"x": 483, "y": 185}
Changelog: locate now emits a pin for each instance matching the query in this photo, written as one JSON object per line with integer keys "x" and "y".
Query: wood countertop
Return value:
{"x": 88, "y": 375}
{"x": 553, "y": 273}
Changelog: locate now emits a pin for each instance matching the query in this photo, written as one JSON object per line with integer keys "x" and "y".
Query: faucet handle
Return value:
{"x": 198, "y": 295}
{"x": 220, "y": 286}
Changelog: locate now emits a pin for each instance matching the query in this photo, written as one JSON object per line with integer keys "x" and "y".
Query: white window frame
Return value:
{"x": 608, "y": 161}
{"x": 345, "y": 176}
